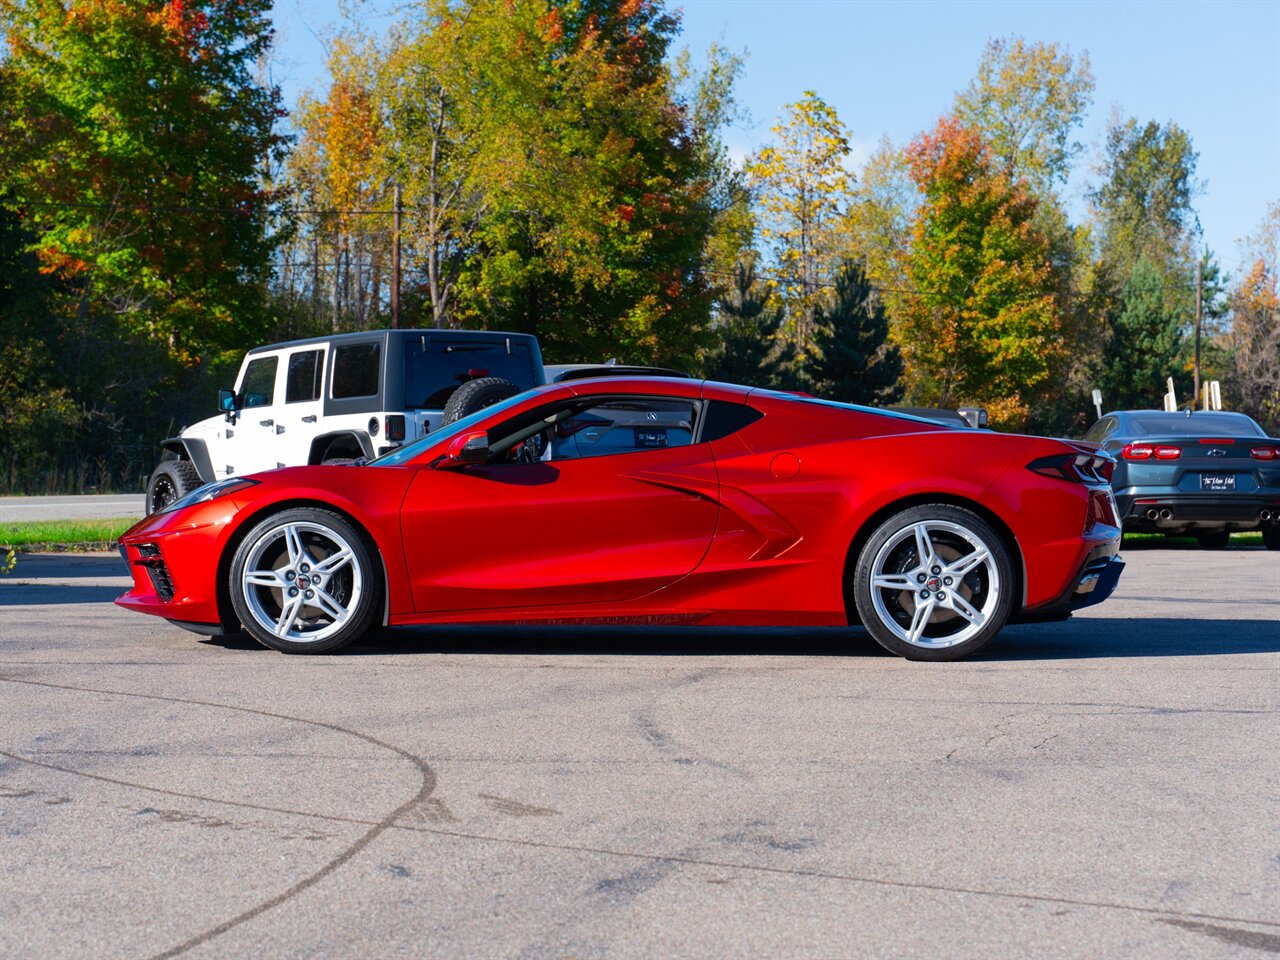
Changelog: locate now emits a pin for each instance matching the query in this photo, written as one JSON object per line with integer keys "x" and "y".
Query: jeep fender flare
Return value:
{"x": 195, "y": 451}
{"x": 322, "y": 443}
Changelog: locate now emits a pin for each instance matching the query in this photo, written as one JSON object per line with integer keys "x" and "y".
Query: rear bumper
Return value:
{"x": 1193, "y": 511}
{"x": 1094, "y": 582}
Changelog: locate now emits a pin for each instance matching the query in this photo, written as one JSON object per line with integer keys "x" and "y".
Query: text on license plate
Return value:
{"x": 1217, "y": 481}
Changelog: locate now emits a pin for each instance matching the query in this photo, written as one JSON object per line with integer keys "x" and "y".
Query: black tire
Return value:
{"x": 1271, "y": 537}
{"x": 170, "y": 481}
{"x": 270, "y": 613}
{"x": 945, "y": 633}
{"x": 1213, "y": 539}
{"x": 476, "y": 395}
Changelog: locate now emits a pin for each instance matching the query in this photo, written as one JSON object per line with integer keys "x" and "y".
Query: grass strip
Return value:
{"x": 28, "y": 536}
{"x": 1249, "y": 538}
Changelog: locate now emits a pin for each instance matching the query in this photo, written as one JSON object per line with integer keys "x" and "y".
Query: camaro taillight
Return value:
{"x": 1075, "y": 467}
{"x": 394, "y": 426}
{"x": 1137, "y": 451}
{"x": 1265, "y": 453}
{"x": 1145, "y": 451}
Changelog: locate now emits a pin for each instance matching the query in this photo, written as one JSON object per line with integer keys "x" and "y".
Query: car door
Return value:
{"x": 619, "y": 503}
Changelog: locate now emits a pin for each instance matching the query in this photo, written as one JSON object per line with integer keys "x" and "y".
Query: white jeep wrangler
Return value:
{"x": 341, "y": 397}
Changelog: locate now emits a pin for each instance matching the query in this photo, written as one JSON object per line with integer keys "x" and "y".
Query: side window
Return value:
{"x": 259, "y": 387}
{"x": 303, "y": 381}
{"x": 355, "y": 370}
{"x": 1097, "y": 432}
{"x": 624, "y": 426}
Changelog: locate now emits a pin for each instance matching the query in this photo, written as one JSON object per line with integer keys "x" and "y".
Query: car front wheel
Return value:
{"x": 934, "y": 582}
{"x": 305, "y": 581}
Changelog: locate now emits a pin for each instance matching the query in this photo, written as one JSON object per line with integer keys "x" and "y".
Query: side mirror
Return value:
{"x": 464, "y": 449}
{"x": 227, "y": 404}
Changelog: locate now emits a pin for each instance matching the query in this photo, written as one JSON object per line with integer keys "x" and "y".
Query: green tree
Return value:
{"x": 980, "y": 320}
{"x": 1143, "y": 205}
{"x": 854, "y": 363}
{"x": 802, "y": 190}
{"x": 134, "y": 137}
{"x": 752, "y": 348}
{"x": 878, "y": 223}
{"x": 1028, "y": 99}
{"x": 1146, "y": 345}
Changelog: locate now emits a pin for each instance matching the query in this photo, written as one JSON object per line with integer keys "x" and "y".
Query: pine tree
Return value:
{"x": 1146, "y": 342}
{"x": 856, "y": 365}
{"x": 751, "y": 348}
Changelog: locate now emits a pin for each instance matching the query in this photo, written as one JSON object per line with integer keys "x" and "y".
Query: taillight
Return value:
{"x": 1265, "y": 453}
{"x": 394, "y": 426}
{"x": 1137, "y": 451}
{"x": 1075, "y": 467}
{"x": 1168, "y": 453}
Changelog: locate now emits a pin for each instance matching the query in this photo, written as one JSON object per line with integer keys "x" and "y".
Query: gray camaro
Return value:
{"x": 1204, "y": 473}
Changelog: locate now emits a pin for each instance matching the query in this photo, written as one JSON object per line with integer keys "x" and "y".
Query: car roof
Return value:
{"x": 365, "y": 336}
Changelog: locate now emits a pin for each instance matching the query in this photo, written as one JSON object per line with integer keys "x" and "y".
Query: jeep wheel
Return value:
{"x": 171, "y": 481}
{"x": 476, "y": 395}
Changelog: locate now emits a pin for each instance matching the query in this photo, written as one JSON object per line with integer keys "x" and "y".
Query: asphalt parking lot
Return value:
{"x": 1109, "y": 786}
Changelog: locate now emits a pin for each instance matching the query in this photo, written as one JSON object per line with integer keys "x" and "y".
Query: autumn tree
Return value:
{"x": 802, "y": 190}
{"x": 1028, "y": 98}
{"x": 341, "y": 248}
{"x": 133, "y": 135}
{"x": 751, "y": 347}
{"x": 1253, "y": 344}
{"x": 854, "y": 361}
{"x": 979, "y": 323}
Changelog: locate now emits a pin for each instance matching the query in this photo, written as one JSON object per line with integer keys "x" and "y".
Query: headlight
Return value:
{"x": 210, "y": 491}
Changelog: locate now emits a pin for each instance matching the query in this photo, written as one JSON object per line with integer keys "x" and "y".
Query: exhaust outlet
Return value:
{"x": 1153, "y": 513}
{"x": 1264, "y": 514}
{"x": 1166, "y": 514}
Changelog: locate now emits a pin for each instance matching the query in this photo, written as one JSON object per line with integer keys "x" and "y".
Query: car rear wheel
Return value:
{"x": 934, "y": 582}
{"x": 1271, "y": 537}
{"x": 1213, "y": 540}
{"x": 305, "y": 581}
{"x": 170, "y": 481}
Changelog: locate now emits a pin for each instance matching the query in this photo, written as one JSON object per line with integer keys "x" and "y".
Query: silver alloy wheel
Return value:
{"x": 923, "y": 577}
{"x": 301, "y": 581}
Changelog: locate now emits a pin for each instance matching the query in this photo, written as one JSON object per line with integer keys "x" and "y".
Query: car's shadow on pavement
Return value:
{"x": 1092, "y": 638}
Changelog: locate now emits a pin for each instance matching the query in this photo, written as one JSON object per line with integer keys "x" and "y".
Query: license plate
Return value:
{"x": 1217, "y": 481}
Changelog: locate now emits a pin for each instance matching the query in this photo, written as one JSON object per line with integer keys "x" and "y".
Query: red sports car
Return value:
{"x": 648, "y": 500}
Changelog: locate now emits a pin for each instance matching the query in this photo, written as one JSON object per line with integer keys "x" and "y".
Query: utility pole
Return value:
{"x": 396, "y": 213}
{"x": 1199, "y": 298}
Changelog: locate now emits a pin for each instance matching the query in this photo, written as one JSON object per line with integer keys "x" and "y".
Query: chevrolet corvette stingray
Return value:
{"x": 649, "y": 500}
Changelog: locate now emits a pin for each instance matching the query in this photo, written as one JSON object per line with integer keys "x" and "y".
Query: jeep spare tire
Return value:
{"x": 476, "y": 395}
{"x": 171, "y": 481}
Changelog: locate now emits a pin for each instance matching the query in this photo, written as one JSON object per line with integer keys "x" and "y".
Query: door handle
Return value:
{"x": 266, "y": 423}
{"x": 310, "y": 419}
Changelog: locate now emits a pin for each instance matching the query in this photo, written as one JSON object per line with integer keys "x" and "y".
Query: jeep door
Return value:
{"x": 297, "y": 418}
{"x": 608, "y": 503}
{"x": 248, "y": 445}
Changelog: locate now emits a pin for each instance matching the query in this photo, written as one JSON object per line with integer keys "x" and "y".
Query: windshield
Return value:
{"x": 1198, "y": 424}
{"x": 411, "y": 450}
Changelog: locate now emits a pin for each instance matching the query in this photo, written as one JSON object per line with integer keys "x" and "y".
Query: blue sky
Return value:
{"x": 893, "y": 68}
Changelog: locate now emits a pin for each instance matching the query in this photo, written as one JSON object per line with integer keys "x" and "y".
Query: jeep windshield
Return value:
{"x": 411, "y": 450}
{"x": 433, "y": 370}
